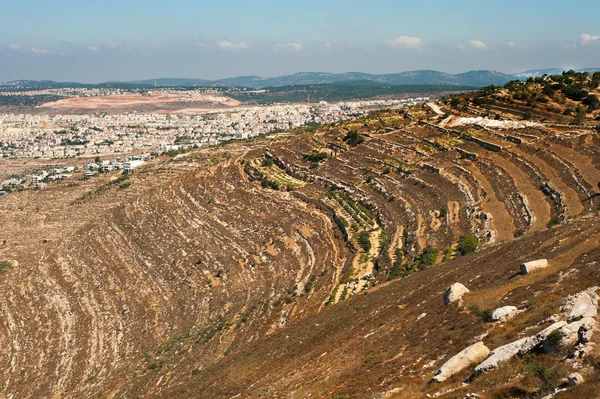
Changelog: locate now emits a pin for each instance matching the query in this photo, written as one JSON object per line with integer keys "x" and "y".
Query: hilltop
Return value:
{"x": 314, "y": 262}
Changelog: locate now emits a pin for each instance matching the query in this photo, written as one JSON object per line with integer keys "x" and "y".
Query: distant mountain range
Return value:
{"x": 419, "y": 77}
{"x": 422, "y": 77}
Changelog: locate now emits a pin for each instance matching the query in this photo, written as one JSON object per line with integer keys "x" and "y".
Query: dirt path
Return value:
{"x": 502, "y": 222}
{"x": 570, "y": 195}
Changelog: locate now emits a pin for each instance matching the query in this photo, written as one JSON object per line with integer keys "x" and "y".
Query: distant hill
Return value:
{"x": 421, "y": 77}
{"x": 478, "y": 78}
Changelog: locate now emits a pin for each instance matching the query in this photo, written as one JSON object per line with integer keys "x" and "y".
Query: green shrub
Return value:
{"x": 467, "y": 244}
{"x": 555, "y": 338}
{"x": 4, "y": 266}
{"x": 364, "y": 240}
{"x": 428, "y": 256}
{"x": 266, "y": 162}
{"x": 354, "y": 138}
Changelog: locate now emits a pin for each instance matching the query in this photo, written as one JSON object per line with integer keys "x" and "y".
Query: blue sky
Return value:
{"x": 123, "y": 40}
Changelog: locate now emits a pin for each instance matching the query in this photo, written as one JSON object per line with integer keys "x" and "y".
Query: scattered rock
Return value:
{"x": 539, "y": 338}
{"x": 582, "y": 304}
{"x": 454, "y": 293}
{"x": 421, "y": 316}
{"x": 533, "y": 265}
{"x": 473, "y": 354}
{"x": 585, "y": 332}
{"x": 500, "y": 355}
{"x": 570, "y": 332}
{"x": 504, "y": 313}
{"x": 575, "y": 379}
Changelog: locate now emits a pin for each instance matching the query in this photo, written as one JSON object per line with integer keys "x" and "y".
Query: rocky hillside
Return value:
{"x": 448, "y": 250}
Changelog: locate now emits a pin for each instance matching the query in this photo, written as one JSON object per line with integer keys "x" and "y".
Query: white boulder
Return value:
{"x": 500, "y": 355}
{"x": 570, "y": 332}
{"x": 533, "y": 265}
{"x": 583, "y": 304}
{"x": 504, "y": 313}
{"x": 471, "y": 355}
{"x": 575, "y": 379}
{"x": 454, "y": 293}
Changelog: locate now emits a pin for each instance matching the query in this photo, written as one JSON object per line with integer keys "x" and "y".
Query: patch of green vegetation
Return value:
{"x": 467, "y": 244}
{"x": 364, "y": 240}
{"x": 428, "y": 256}
{"x": 316, "y": 156}
{"x": 554, "y": 220}
{"x": 267, "y": 162}
{"x": 354, "y": 138}
{"x": 4, "y": 266}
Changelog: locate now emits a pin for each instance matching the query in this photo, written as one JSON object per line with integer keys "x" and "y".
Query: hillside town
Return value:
{"x": 68, "y": 136}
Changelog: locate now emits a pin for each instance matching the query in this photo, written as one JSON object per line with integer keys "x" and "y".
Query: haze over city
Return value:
{"x": 115, "y": 40}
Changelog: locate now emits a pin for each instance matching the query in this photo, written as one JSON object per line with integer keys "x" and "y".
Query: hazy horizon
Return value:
{"x": 111, "y": 41}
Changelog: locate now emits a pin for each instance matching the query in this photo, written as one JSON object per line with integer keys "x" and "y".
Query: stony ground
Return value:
{"x": 253, "y": 270}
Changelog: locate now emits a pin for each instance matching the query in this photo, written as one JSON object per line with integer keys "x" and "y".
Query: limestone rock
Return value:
{"x": 537, "y": 339}
{"x": 570, "y": 332}
{"x": 583, "y": 304}
{"x": 500, "y": 355}
{"x": 454, "y": 293}
{"x": 575, "y": 379}
{"x": 504, "y": 313}
{"x": 584, "y": 335}
{"x": 530, "y": 266}
{"x": 471, "y": 355}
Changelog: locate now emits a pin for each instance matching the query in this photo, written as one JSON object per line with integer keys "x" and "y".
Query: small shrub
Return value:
{"x": 354, "y": 138}
{"x": 554, "y": 220}
{"x": 555, "y": 338}
{"x": 364, "y": 241}
{"x": 4, "y": 266}
{"x": 467, "y": 244}
{"x": 266, "y": 162}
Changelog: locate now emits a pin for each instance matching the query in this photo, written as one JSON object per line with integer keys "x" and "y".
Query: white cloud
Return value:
{"x": 15, "y": 46}
{"x": 227, "y": 45}
{"x": 586, "y": 38}
{"x": 406, "y": 42}
{"x": 92, "y": 48}
{"x": 112, "y": 44}
{"x": 288, "y": 47}
{"x": 477, "y": 44}
{"x": 36, "y": 50}
{"x": 516, "y": 46}
{"x": 201, "y": 44}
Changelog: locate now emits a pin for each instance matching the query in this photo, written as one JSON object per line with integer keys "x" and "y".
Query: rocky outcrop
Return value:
{"x": 585, "y": 332}
{"x": 574, "y": 379}
{"x": 570, "y": 332}
{"x": 504, "y": 313}
{"x": 500, "y": 355}
{"x": 583, "y": 304}
{"x": 454, "y": 293}
{"x": 539, "y": 338}
{"x": 533, "y": 265}
{"x": 471, "y": 355}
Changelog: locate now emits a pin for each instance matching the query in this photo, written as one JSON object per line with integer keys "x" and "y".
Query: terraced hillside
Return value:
{"x": 314, "y": 265}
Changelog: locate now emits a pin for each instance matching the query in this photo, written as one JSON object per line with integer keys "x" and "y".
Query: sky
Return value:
{"x": 98, "y": 41}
